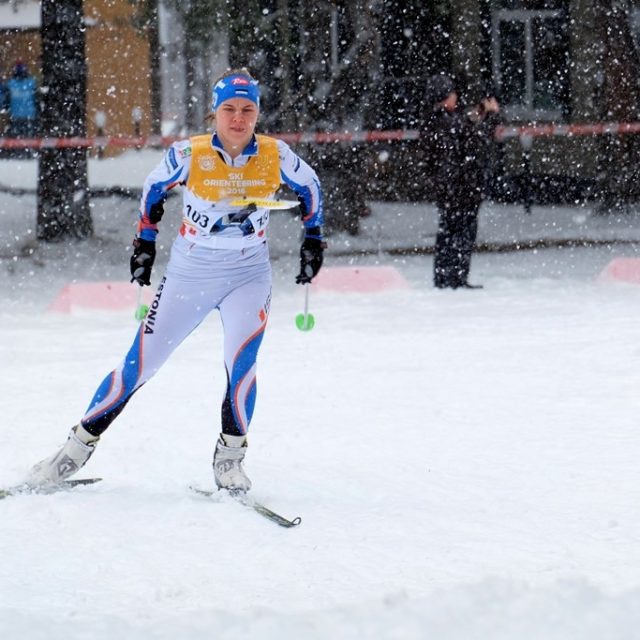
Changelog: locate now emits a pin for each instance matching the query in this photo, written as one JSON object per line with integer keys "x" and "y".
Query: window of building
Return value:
{"x": 531, "y": 63}
{"x": 634, "y": 24}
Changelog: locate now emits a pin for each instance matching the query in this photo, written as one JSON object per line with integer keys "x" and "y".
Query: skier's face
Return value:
{"x": 235, "y": 123}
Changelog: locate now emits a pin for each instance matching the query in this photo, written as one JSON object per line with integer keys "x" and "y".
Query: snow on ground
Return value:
{"x": 465, "y": 463}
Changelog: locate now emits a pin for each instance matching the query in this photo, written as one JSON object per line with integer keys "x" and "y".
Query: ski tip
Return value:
{"x": 202, "y": 492}
{"x": 75, "y": 482}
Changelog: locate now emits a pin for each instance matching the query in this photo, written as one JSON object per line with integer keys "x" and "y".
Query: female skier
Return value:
{"x": 219, "y": 260}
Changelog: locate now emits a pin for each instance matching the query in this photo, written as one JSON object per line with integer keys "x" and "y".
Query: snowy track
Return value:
{"x": 466, "y": 465}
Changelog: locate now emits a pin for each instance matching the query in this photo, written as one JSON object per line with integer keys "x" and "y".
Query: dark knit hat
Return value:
{"x": 439, "y": 87}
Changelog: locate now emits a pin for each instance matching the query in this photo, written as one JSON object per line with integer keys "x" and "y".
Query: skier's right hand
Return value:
{"x": 144, "y": 253}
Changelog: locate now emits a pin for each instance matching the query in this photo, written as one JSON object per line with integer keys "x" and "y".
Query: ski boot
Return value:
{"x": 227, "y": 464}
{"x": 64, "y": 463}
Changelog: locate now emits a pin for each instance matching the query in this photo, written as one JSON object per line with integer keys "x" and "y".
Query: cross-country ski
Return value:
{"x": 65, "y": 485}
{"x": 251, "y": 503}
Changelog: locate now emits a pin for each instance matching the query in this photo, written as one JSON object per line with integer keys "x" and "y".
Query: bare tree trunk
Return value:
{"x": 189, "y": 51}
{"x": 63, "y": 198}
{"x": 620, "y": 98}
{"x": 154, "y": 63}
{"x": 289, "y": 119}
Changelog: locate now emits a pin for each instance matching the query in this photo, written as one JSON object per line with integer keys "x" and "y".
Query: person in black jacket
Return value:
{"x": 457, "y": 144}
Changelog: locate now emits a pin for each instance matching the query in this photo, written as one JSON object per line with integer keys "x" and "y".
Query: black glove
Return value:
{"x": 156, "y": 211}
{"x": 311, "y": 256}
{"x": 144, "y": 253}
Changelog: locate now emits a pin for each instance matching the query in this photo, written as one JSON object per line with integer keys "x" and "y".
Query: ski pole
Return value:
{"x": 305, "y": 321}
{"x": 141, "y": 308}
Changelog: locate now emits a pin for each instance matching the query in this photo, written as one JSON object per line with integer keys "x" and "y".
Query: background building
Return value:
{"x": 356, "y": 66}
{"x": 118, "y": 60}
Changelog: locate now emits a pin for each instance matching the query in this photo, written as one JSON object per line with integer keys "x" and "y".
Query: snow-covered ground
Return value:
{"x": 466, "y": 464}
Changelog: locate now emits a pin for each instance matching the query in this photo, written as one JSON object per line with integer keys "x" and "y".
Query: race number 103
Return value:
{"x": 198, "y": 218}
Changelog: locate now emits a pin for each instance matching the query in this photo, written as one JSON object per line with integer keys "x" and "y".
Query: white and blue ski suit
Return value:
{"x": 219, "y": 260}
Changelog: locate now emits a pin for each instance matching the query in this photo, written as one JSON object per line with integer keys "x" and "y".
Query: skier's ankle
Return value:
{"x": 83, "y": 435}
{"x": 233, "y": 441}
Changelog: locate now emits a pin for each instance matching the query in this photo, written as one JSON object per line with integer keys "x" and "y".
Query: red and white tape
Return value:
{"x": 325, "y": 137}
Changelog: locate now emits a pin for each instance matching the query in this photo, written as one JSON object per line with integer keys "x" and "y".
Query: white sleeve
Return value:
{"x": 300, "y": 177}
{"x": 172, "y": 170}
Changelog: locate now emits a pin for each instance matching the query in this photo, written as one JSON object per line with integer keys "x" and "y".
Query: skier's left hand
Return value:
{"x": 311, "y": 257}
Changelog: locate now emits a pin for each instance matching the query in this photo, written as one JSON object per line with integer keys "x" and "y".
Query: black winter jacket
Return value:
{"x": 457, "y": 152}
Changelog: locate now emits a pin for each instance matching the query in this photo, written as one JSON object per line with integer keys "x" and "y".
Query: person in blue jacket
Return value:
{"x": 3, "y": 97}
{"x": 21, "y": 90}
